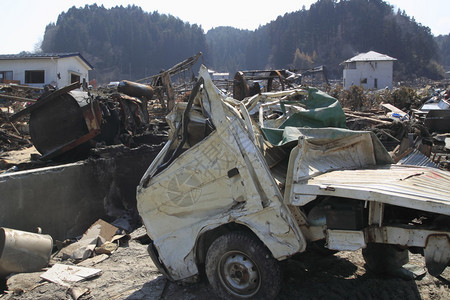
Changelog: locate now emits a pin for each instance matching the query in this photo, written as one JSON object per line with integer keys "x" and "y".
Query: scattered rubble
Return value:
{"x": 129, "y": 273}
{"x": 116, "y": 121}
{"x": 402, "y": 120}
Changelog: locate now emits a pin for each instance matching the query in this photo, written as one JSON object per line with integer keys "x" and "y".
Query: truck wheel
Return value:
{"x": 384, "y": 258}
{"x": 239, "y": 266}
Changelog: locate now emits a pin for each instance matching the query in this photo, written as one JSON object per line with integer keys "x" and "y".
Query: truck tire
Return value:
{"x": 238, "y": 266}
{"x": 384, "y": 258}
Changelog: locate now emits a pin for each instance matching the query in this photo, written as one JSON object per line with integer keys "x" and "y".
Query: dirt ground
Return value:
{"x": 129, "y": 273}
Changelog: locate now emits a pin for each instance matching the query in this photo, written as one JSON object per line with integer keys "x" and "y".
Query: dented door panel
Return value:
{"x": 219, "y": 180}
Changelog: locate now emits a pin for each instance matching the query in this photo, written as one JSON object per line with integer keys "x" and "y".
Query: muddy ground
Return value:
{"x": 130, "y": 274}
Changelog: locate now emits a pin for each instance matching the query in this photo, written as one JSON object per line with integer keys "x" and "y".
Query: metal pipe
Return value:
{"x": 134, "y": 89}
{"x": 22, "y": 251}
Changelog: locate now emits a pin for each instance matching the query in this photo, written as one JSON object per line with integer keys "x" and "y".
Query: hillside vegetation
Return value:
{"x": 126, "y": 42}
{"x": 123, "y": 42}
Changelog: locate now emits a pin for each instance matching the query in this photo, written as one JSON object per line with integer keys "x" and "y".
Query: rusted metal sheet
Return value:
{"x": 69, "y": 121}
{"x": 135, "y": 89}
{"x": 133, "y": 113}
{"x": 162, "y": 83}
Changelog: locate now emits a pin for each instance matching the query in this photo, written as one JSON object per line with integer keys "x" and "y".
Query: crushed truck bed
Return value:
{"x": 416, "y": 187}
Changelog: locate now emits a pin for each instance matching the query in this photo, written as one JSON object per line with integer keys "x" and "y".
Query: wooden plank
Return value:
{"x": 15, "y": 98}
{"x": 367, "y": 118}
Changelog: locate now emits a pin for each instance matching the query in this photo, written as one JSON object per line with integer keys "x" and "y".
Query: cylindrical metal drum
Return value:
{"x": 135, "y": 89}
{"x": 22, "y": 251}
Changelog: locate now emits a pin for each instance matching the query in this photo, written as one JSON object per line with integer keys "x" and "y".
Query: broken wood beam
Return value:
{"x": 15, "y": 98}
{"x": 367, "y": 118}
{"x": 26, "y": 87}
{"x": 9, "y": 136}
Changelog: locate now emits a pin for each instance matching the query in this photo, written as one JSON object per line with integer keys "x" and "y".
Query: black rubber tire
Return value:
{"x": 238, "y": 266}
{"x": 384, "y": 258}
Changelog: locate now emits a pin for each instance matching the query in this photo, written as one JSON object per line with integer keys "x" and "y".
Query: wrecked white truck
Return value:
{"x": 242, "y": 185}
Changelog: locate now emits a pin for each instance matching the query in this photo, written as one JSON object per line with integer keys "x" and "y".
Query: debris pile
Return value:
{"x": 63, "y": 263}
{"x": 404, "y": 120}
{"x": 13, "y": 98}
{"x": 115, "y": 120}
{"x": 63, "y": 125}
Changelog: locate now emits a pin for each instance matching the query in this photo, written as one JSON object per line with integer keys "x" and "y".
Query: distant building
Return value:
{"x": 57, "y": 69}
{"x": 371, "y": 70}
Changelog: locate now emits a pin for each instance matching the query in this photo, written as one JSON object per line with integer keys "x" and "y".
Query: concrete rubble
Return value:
{"x": 91, "y": 176}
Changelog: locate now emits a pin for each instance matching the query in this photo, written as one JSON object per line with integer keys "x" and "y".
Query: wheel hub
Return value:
{"x": 239, "y": 273}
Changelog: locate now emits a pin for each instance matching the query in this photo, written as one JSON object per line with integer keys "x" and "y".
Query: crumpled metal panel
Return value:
{"x": 417, "y": 158}
{"x": 219, "y": 180}
{"x": 419, "y": 188}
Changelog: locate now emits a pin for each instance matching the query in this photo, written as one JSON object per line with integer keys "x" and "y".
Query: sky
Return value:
{"x": 23, "y": 22}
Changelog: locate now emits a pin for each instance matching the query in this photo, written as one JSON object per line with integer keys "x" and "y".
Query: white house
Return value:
{"x": 371, "y": 70}
{"x": 57, "y": 69}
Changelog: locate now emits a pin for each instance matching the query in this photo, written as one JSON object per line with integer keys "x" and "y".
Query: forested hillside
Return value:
{"x": 123, "y": 42}
{"x": 443, "y": 42}
{"x": 126, "y": 42}
{"x": 333, "y": 31}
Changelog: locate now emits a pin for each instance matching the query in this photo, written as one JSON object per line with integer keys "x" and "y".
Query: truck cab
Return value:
{"x": 243, "y": 185}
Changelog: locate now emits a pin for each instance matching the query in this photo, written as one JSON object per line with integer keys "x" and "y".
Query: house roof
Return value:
{"x": 370, "y": 56}
{"x": 44, "y": 55}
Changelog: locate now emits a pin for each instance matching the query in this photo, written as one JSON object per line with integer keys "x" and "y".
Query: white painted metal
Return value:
{"x": 195, "y": 194}
{"x": 345, "y": 240}
{"x": 437, "y": 253}
{"x": 419, "y": 188}
{"x": 224, "y": 179}
{"x": 407, "y": 237}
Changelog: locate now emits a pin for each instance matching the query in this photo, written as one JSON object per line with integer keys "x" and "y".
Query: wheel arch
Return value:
{"x": 206, "y": 238}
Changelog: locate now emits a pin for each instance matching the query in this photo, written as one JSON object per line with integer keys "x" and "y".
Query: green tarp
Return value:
{"x": 322, "y": 110}
{"x": 322, "y": 122}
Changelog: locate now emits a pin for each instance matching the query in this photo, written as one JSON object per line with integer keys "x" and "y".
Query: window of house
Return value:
{"x": 74, "y": 78}
{"x": 375, "y": 83}
{"x": 6, "y": 75}
{"x": 351, "y": 65}
{"x": 35, "y": 76}
{"x": 363, "y": 80}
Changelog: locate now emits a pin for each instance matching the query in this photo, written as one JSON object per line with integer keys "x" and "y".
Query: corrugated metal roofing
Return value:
{"x": 409, "y": 186}
{"x": 43, "y": 55}
{"x": 417, "y": 158}
{"x": 370, "y": 56}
